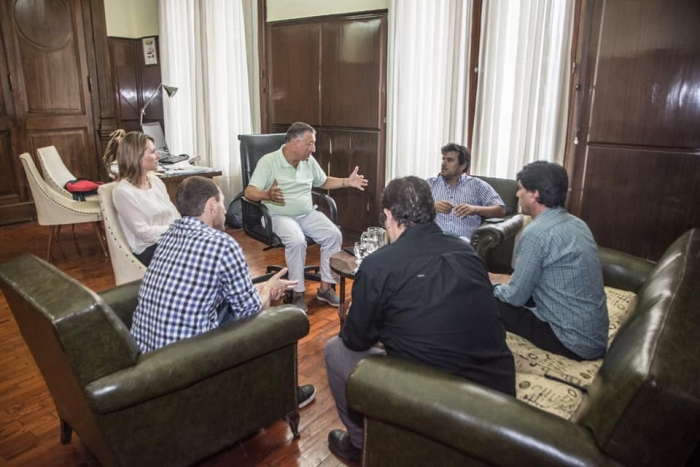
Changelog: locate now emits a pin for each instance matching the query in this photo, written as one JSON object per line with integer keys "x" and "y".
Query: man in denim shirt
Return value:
{"x": 555, "y": 298}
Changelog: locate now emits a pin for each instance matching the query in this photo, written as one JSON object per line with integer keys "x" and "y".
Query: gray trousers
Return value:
{"x": 340, "y": 361}
{"x": 292, "y": 231}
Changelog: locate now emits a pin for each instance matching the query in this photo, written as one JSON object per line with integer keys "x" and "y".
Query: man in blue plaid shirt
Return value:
{"x": 198, "y": 278}
{"x": 555, "y": 298}
{"x": 462, "y": 201}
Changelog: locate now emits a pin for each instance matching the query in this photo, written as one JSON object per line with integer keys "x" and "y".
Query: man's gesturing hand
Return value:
{"x": 279, "y": 286}
{"x": 275, "y": 193}
{"x": 357, "y": 181}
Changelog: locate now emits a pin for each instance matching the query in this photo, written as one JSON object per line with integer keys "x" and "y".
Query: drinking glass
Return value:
{"x": 379, "y": 234}
{"x": 360, "y": 252}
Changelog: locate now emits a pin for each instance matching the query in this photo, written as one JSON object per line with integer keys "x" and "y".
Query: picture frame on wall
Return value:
{"x": 150, "y": 53}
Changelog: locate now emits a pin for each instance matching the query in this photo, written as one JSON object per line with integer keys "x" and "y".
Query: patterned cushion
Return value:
{"x": 532, "y": 360}
{"x": 551, "y": 396}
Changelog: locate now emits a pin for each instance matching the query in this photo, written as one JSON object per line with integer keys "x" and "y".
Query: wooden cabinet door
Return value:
{"x": 339, "y": 152}
{"x": 134, "y": 84}
{"x": 124, "y": 58}
{"x": 352, "y": 77}
{"x": 330, "y": 72}
{"x": 47, "y": 53}
{"x": 293, "y": 68}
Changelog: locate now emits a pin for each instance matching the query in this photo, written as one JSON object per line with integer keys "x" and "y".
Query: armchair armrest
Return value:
{"x": 493, "y": 428}
{"x": 123, "y": 299}
{"x": 186, "y": 362}
{"x": 257, "y": 222}
{"x": 624, "y": 271}
{"x": 490, "y": 236}
{"x": 329, "y": 202}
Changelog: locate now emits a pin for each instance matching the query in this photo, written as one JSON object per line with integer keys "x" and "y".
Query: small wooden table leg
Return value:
{"x": 341, "y": 305}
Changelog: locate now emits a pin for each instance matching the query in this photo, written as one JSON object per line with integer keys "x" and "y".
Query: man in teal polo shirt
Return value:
{"x": 283, "y": 181}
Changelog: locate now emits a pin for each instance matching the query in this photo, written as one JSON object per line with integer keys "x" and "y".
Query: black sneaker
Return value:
{"x": 340, "y": 445}
{"x": 305, "y": 395}
{"x": 299, "y": 300}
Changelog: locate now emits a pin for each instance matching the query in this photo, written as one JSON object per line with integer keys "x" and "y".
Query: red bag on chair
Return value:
{"x": 82, "y": 187}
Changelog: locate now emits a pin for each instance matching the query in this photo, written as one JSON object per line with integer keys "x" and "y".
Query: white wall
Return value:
{"x": 289, "y": 9}
{"x": 131, "y": 18}
{"x": 139, "y": 18}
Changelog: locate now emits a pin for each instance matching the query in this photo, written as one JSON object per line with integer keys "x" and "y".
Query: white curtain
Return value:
{"x": 427, "y": 82}
{"x": 203, "y": 52}
{"x": 524, "y": 72}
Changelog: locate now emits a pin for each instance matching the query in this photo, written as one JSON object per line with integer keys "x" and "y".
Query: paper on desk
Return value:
{"x": 185, "y": 167}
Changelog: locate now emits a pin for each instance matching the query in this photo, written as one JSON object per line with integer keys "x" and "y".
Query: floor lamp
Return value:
{"x": 170, "y": 91}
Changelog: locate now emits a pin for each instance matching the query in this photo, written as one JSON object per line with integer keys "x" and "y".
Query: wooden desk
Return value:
{"x": 172, "y": 181}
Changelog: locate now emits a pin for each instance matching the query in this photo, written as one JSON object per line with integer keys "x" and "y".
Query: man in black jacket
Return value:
{"x": 427, "y": 298}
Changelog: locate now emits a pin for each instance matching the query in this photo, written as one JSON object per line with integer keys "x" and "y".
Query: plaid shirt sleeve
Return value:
{"x": 526, "y": 274}
{"x": 237, "y": 284}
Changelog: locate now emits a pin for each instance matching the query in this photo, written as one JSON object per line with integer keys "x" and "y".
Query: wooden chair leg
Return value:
{"x": 100, "y": 237}
{"x": 66, "y": 432}
{"x": 52, "y": 231}
{"x": 293, "y": 420}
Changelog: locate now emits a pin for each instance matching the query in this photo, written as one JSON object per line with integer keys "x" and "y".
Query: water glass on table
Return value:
{"x": 360, "y": 250}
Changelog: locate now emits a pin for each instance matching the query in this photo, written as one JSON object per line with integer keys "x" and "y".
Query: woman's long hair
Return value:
{"x": 127, "y": 149}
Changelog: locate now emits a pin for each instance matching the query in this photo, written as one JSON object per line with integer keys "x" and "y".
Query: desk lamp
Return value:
{"x": 170, "y": 90}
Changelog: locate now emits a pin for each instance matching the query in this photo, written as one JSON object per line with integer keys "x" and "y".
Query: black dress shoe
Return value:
{"x": 340, "y": 445}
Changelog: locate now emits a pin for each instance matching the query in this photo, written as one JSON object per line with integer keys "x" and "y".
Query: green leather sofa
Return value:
{"x": 642, "y": 408}
{"x": 173, "y": 406}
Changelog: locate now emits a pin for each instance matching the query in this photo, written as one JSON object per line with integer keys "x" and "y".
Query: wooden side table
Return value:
{"x": 343, "y": 264}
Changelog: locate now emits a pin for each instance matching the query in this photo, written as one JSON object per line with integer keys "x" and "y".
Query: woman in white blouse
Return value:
{"x": 143, "y": 206}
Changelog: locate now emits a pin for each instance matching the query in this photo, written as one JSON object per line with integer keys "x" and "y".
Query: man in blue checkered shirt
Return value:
{"x": 198, "y": 278}
{"x": 462, "y": 201}
{"x": 555, "y": 298}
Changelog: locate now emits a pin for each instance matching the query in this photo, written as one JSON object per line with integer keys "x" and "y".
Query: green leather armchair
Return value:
{"x": 173, "y": 406}
{"x": 641, "y": 409}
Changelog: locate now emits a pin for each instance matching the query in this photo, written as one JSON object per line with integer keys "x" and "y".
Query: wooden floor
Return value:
{"x": 29, "y": 429}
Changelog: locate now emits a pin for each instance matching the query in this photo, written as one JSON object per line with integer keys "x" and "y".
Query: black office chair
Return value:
{"x": 253, "y": 148}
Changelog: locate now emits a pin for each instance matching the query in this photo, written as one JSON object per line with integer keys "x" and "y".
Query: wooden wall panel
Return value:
{"x": 330, "y": 72}
{"x": 103, "y": 101}
{"x": 134, "y": 84}
{"x": 648, "y": 71}
{"x": 294, "y": 73}
{"x": 640, "y": 197}
{"x": 48, "y": 36}
{"x": 68, "y": 143}
{"x": 9, "y": 186}
{"x": 49, "y": 52}
{"x": 149, "y": 78}
{"x": 126, "y": 82}
{"x": 339, "y": 152}
{"x": 636, "y": 171}
{"x": 352, "y": 63}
